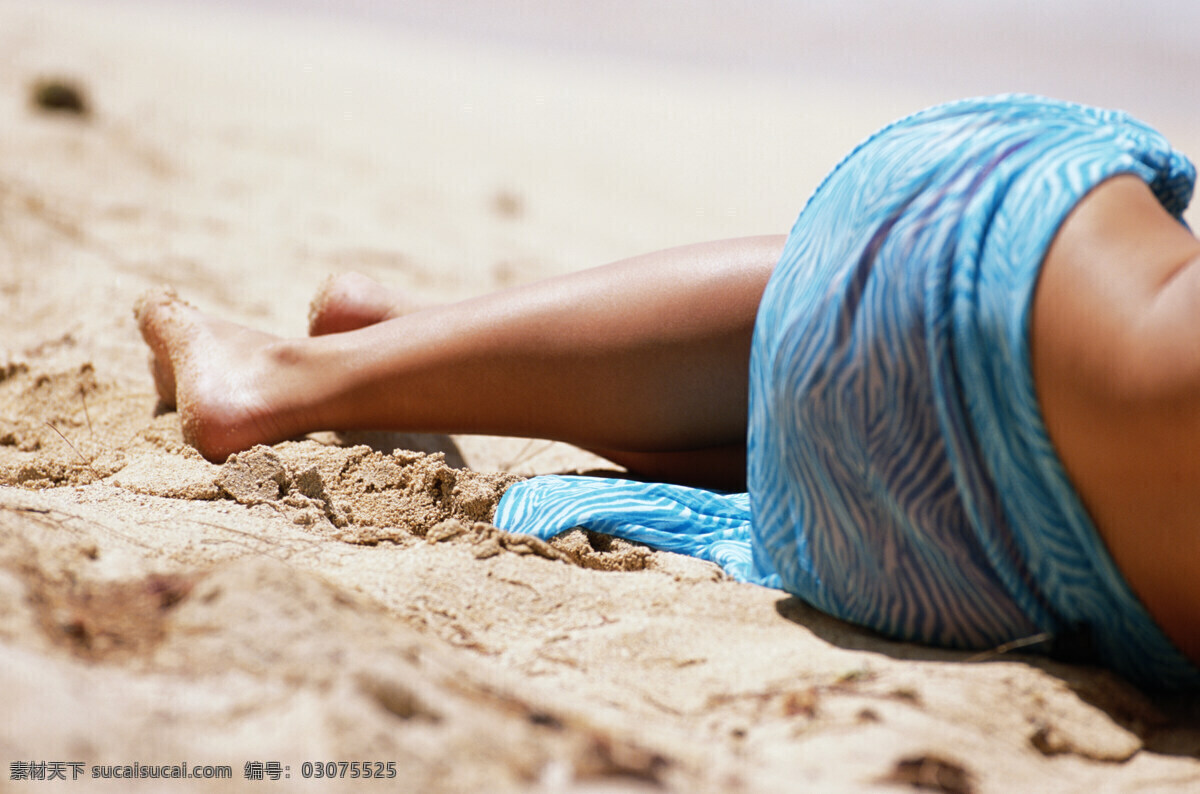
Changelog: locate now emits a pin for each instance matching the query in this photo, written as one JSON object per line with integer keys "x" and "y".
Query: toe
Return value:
{"x": 318, "y": 308}
{"x": 164, "y": 379}
{"x": 155, "y": 313}
{"x": 150, "y": 304}
{"x": 346, "y": 303}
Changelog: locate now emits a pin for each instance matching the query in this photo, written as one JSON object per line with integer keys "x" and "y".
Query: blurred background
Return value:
{"x": 243, "y": 149}
{"x": 1142, "y": 56}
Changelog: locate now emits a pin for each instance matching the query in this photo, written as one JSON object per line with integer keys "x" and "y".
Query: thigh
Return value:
{"x": 722, "y": 468}
{"x": 1111, "y": 371}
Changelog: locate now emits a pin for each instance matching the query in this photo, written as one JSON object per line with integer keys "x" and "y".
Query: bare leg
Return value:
{"x": 352, "y": 301}
{"x": 647, "y": 355}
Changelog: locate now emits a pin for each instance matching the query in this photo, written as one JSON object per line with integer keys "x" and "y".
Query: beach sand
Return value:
{"x": 339, "y": 598}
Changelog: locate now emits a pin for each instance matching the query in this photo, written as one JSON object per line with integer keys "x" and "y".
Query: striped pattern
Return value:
{"x": 699, "y": 523}
{"x": 900, "y": 474}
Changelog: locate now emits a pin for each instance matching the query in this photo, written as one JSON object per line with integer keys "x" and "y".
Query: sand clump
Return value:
{"x": 603, "y": 552}
{"x": 47, "y": 434}
{"x": 49, "y": 438}
{"x": 360, "y": 495}
{"x": 355, "y": 494}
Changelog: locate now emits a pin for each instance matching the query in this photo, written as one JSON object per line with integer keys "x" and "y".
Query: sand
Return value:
{"x": 343, "y": 597}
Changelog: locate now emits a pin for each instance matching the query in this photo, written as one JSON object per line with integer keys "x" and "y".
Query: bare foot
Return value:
{"x": 352, "y": 301}
{"x": 218, "y": 376}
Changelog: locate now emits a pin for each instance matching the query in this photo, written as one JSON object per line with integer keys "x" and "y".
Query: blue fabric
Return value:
{"x": 705, "y": 524}
{"x": 900, "y": 473}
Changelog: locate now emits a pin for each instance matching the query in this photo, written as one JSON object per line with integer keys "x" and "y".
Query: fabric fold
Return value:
{"x": 708, "y": 525}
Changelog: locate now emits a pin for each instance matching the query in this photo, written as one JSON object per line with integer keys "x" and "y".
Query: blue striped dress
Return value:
{"x": 900, "y": 475}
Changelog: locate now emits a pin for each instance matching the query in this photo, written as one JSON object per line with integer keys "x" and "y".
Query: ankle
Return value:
{"x": 295, "y": 384}
{"x": 282, "y": 357}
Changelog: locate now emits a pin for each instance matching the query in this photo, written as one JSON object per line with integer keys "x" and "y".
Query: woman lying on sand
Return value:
{"x": 974, "y": 388}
